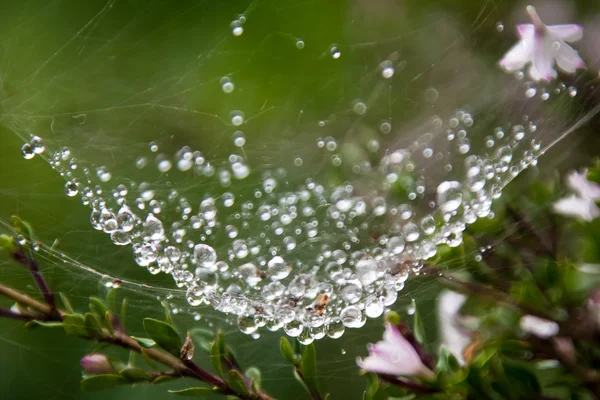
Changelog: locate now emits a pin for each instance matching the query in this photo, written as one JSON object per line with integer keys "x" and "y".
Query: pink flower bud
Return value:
{"x": 96, "y": 364}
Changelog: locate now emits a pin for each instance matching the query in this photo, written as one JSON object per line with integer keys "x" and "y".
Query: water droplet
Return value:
{"x": 71, "y": 189}
{"x": 227, "y": 85}
{"x": 335, "y": 52}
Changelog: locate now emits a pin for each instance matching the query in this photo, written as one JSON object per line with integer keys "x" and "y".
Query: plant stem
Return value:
{"x": 5, "y": 312}
{"x": 33, "y": 267}
{"x": 28, "y": 301}
{"x": 118, "y": 338}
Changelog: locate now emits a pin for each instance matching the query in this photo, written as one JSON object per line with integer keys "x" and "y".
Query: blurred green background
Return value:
{"x": 108, "y": 77}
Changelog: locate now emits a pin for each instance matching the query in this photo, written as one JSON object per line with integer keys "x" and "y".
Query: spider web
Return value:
{"x": 319, "y": 90}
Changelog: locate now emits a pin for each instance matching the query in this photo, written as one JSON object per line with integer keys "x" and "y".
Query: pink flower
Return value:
{"x": 542, "y": 46}
{"x": 96, "y": 364}
{"x": 584, "y": 205}
{"x": 394, "y": 356}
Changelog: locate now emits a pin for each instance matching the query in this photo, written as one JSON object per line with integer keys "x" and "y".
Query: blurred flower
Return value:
{"x": 96, "y": 364}
{"x": 582, "y": 206}
{"x": 539, "y": 327}
{"x": 455, "y": 334}
{"x": 394, "y": 356}
{"x": 542, "y": 46}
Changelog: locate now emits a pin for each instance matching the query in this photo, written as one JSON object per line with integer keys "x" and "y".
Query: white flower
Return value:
{"x": 539, "y": 327}
{"x": 584, "y": 205}
{"x": 455, "y": 335}
{"x": 394, "y": 356}
{"x": 541, "y": 46}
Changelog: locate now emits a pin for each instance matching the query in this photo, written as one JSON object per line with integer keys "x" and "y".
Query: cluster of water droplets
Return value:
{"x": 311, "y": 258}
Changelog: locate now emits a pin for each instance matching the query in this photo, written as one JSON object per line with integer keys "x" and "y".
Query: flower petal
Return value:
{"x": 585, "y": 188}
{"x": 568, "y": 32}
{"x": 519, "y": 55}
{"x": 539, "y": 327}
{"x": 543, "y": 59}
{"x": 380, "y": 365}
{"x": 394, "y": 355}
{"x": 574, "y": 206}
{"x": 454, "y": 336}
{"x": 568, "y": 59}
{"x": 526, "y": 31}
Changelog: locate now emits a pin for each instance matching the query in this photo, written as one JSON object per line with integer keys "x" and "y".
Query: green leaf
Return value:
{"x": 144, "y": 342}
{"x": 108, "y": 321}
{"x": 74, "y": 325}
{"x": 92, "y": 325}
{"x": 203, "y": 338}
{"x": 134, "y": 374}
{"x": 194, "y": 392}
{"x": 164, "y": 335}
{"x": 418, "y": 328}
{"x": 123, "y": 314}
{"x": 216, "y": 354}
{"x": 67, "y": 303}
{"x": 167, "y": 310}
{"x": 254, "y": 374}
{"x": 23, "y": 228}
{"x": 100, "y": 382}
{"x": 98, "y": 307}
{"x": 7, "y": 244}
{"x": 286, "y": 351}
{"x": 372, "y": 386}
{"x": 111, "y": 299}
{"x": 308, "y": 366}
{"x": 301, "y": 381}
{"x": 236, "y": 382}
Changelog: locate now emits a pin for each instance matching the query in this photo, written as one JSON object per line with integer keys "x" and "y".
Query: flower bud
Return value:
{"x": 96, "y": 364}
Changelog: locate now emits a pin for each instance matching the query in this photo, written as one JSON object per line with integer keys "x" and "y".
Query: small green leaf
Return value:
{"x": 98, "y": 307}
{"x": 194, "y": 392}
{"x": 24, "y": 228}
{"x": 301, "y": 381}
{"x": 308, "y": 366}
{"x": 100, "y": 382}
{"x": 254, "y": 374}
{"x": 108, "y": 321}
{"x": 372, "y": 386}
{"x": 74, "y": 325}
{"x": 203, "y": 338}
{"x": 123, "y": 313}
{"x": 7, "y": 244}
{"x": 236, "y": 382}
{"x": 418, "y": 328}
{"x": 164, "y": 335}
{"x": 92, "y": 325}
{"x": 111, "y": 299}
{"x": 216, "y": 355}
{"x": 167, "y": 310}
{"x": 286, "y": 351}
{"x": 134, "y": 374}
{"x": 144, "y": 342}
{"x": 67, "y": 303}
